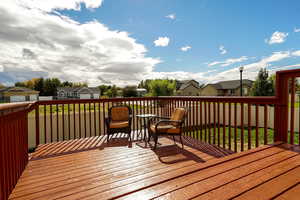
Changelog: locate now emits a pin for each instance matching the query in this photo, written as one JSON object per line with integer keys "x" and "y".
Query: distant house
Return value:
{"x": 227, "y": 88}
{"x": 141, "y": 92}
{"x": 78, "y": 93}
{"x": 187, "y": 88}
{"x": 18, "y": 94}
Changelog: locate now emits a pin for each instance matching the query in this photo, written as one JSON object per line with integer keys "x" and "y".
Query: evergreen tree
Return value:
{"x": 39, "y": 86}
{"x": 263, "y": 85}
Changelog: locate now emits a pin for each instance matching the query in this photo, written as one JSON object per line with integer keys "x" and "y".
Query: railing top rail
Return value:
{"x": 290, "y": 72}
{"x": 14, "y": 107}
{"x": 232, "y": 99}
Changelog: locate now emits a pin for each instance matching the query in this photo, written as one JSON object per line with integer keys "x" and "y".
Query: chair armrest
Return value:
{"x": 167, "y": 121}
{"x": 152, "y": 119}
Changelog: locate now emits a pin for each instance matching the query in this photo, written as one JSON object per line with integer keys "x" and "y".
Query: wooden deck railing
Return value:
{"x": 234, "y": 123}
{"x": 216, "y": 120}
{"x": 13, "y": 145}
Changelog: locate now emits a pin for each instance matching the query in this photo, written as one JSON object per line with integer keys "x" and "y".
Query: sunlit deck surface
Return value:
{"x": 92, "y": 169}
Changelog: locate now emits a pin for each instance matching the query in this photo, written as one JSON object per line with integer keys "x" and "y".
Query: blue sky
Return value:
{"x": 217, "y": 35}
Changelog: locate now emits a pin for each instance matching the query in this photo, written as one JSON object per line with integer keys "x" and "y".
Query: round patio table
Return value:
{"x": 144, "y": 122}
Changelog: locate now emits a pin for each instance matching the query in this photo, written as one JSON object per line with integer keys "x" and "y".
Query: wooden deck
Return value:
{"x": 119, "y": 170}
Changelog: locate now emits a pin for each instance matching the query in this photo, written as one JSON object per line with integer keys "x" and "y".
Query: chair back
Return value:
{"x": 120, "y": 113}
{"x": 179, "y": 114}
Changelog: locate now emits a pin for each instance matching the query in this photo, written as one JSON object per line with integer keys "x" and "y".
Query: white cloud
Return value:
{"x": 171, "y": 16}
{"x": 51, "y": 5}
{"x": 222, "y": 50}
{"x": 296, "y": 53}
{"x": 185, "y": 48}
{"x": 162, "y": 42}
{"x": 251, "y": 70}
{"x": 37, "y": 43}
{"x": 228, "y": 61}
{"x": 296, "y": 30}
{"x": 277, "y": 37}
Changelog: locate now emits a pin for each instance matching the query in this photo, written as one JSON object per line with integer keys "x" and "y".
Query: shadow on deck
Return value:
{"x": 117, "y": 140}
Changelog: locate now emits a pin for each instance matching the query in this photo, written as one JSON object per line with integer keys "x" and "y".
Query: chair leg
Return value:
{"x": 181, "y": 141}
{"x": 174, "y": 139}
{"x": 129, "y": 135}
{"x": 149, "y": 136}
{"x": 155, "y": 139}
{"x": 107, "y": 137}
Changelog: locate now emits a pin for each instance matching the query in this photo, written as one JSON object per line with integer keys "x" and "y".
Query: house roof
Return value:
{"x": 83, "y": 89}
{"x": 186, "y": 83}
{"x": 18, "y": 89}
{"x": 233, "y": 84}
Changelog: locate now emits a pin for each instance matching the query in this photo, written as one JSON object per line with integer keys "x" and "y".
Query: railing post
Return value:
{"x": 37, "y": 125}
{"x": 281, "y": 108}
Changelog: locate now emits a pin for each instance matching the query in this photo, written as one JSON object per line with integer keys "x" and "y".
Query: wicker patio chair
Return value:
{"x": 167, "y": 126}
{"x": 119, "y": 120}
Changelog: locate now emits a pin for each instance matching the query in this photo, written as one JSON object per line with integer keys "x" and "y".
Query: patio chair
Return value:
{"x": 167, "y": 126}
{"x": 119, "y": 120}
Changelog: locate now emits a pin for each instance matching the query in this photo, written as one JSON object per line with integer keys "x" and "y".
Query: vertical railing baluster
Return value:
{"x": 214, "y": 111}
{"x": 74, "y": 120}
{"x": 197, "y": 119}
{"x": 95, "y": 126}
{"x": 242, "y": 126}
{"x": 90, "y": 120}
{"x": 103, "y": 112}
{"x": 84, "y": 117}
{"x": 224, "y": 125}
{"x": 205, "y": 121}
{"x": 45, "y": 123}
{"x": 266, "y": 124}
{"x": 99, "y": 117}
{"x": 219, "y": 125}
{"x": 37, "y": 125}
{"x": 201, "y": 123}
{"x": 249, "y": 126}
{"x": 229, "y": 126}
{"x": 256, "y": 125}
{"x": 57, "y": 123}
{"x": 69, "y": 123}
{"x": 79, "y": 109}
{"x": 51, "y": 124}
{"x": 63, "y": 120}
{"x": 235, "y": 127}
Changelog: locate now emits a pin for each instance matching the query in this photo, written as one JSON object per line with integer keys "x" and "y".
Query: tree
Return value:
{"x": 20, "y": 84}
{"x": 50, "y": 86}
{"x": 67, "y": 84}
{"x": 161, "y": 87}
{"x": 129, "y": 91}
{"x": 263, "y": 85}
{"x": 39, "y": 86}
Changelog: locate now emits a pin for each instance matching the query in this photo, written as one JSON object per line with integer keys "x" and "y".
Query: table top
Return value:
{"x": 146, "y": 115}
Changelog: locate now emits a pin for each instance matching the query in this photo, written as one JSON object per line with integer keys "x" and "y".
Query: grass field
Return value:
{"x": 215, "y": 137}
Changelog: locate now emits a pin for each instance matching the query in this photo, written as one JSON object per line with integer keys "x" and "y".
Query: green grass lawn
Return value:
{"x": 215, "y": 137}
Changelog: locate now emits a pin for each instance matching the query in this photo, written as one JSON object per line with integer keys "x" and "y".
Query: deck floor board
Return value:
{"x": 92, "y": 169}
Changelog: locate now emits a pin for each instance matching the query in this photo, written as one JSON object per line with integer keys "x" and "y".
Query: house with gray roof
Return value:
{"x": 18, "y": 94}
{"x": 227, "y": 88}
{"x": 78, "y": 93}
{"x": 187, "y": 88}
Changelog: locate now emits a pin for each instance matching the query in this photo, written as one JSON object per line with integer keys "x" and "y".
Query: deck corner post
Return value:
{"x": 281, "y": 108}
